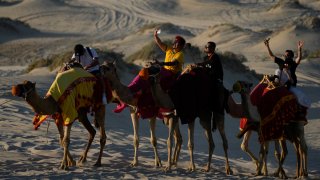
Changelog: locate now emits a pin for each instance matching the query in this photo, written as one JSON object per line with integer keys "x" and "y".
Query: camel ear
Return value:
{"x": 114, "y": 62}
{"x": 236, "y": 87}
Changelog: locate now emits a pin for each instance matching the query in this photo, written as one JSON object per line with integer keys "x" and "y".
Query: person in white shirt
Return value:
{"x": 283, "y": 76}
{"x": 87, "y": 57}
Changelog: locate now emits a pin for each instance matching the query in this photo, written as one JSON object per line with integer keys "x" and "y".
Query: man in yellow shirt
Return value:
{"x": 172, "y": 64}
{"x": 174, "y": 59}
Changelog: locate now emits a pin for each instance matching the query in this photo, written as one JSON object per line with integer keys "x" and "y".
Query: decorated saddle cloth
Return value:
{"x": 73, "y": 89}
{"x": 277, "y": 108}
{"x": 146, "y": 104}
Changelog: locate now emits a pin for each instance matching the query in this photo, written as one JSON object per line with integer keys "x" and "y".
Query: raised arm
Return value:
{"x": 266, "y": 42}
{"x": 300, "y": 45}
{"x": 162, "y": 46}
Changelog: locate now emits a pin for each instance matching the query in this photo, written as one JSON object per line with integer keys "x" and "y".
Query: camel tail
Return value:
{"x": 96, "y": 123}
{"x": 227, "y": 93}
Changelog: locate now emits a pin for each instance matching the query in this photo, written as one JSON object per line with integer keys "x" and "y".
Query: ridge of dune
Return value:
{"x": 37, "y": 29}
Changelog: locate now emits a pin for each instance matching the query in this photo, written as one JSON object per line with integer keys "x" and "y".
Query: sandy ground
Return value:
{"x": 235, "y": 25}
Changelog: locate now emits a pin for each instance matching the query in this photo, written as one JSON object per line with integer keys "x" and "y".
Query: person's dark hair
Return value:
{"x": 290, "y": 53}
{"x": 180, "y": 40}
{"x": 79, "y": 50}
{"x": 212, "y": 44}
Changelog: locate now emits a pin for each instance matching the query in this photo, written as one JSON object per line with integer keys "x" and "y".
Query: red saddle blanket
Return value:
{"x": 277, "y": 108}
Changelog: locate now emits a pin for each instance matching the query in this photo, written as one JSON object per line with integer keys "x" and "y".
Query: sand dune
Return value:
{"x": 33, "y": 29}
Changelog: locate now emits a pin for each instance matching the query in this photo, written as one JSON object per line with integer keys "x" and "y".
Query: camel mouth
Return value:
{"x": 16, "y": 91}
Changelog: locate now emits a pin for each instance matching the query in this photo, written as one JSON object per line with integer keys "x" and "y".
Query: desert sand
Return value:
{"x": 32, "y": 29}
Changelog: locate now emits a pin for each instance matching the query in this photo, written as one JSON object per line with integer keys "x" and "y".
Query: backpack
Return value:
{"x": 89, "y": 51}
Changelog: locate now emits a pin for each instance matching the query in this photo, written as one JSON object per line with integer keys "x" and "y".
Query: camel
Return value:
{"x": 294, "y": 132}
{"x": 124, "y": 94}
{"x": 49, "y": 105}
{"x": 191, "y": 100}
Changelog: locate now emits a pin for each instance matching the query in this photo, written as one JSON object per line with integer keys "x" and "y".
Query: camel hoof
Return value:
{"x": 158, "y": 164}
{"x": 174, "y": 164}
{"x": 134, "y": 164}
{"x": 71, "y": 163}
{"x": 81, "y": 161}
{"x": 167, "y": 168}
{"x": 192, "y": 169}
{"x": 64, "y": 167}
{"x": 205, "y": 170}
{"x": 229, "y": 171}
{"x": 97, "y": 164}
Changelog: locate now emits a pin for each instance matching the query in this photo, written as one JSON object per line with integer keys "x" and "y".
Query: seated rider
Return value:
{"x": 89, "y": 60}
{"x": 172, "y": 66}
{"x": 287, "y": 72}
{"x": 283, "y": 76}
{"x": 87, "y": 57}
{"x": 212, "y": 64}
{"x": 288, "y": 59}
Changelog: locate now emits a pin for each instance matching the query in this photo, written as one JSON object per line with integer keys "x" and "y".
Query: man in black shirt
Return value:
{"x": 212, "y": 64}
{"x": 288, "y": 60}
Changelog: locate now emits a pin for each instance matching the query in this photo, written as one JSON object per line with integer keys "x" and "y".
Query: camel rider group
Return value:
{"x": 174, "y": 61}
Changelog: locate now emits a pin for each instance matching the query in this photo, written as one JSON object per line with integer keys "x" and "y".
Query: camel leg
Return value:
{"x": 284, "y": 151}
{"x": 171, "y": 123}
{"x": 178, "y": 142}
{"x": 92, "y": 132}
{"x": 153, "y": 140}
{"x": 59, "y": 124}
{"x": 100, "y": 118}
{"x": 298, "y": 154}
{"x": 245, "y": 148}
{"x": 303, "y": 149}
{"x": 135, "y": 124}
{"x": 65, "y": 143}
{"x": 277, "y": 155}
{"x": 205, "y": 122}
{"x": 220, "y": 123}
{"x": 263, "y": 159}
{"x": 192, "y": 166}
{"x": 303, "y": 156}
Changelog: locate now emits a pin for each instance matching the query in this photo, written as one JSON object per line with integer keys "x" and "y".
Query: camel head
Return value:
{"x": 22, "y": 90}
{"x": 242, "y": 87}
{"x": 108, "y": 69}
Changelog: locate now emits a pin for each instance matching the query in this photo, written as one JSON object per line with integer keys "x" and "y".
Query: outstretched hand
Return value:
{"x": 266, "y": 41}
{"x": 155, "y": 32}
{"x": 300, "y": 44}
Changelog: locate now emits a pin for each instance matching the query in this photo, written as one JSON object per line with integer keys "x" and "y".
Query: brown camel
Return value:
{"x": 49, "y": 105}
{"x": 190, "y": 95}
{"x": 124, "y": 94}
{"x": 294, "y": 132}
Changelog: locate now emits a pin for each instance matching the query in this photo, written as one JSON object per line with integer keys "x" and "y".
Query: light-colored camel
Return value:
{"x": 49, "y": 106}
{"x": 238, "y": 110}
{"x": 294, "y": 132}
{"x": 123, "y": 93}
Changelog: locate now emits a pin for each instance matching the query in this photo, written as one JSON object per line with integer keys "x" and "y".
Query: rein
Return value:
{"x": 25, "y": 93}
